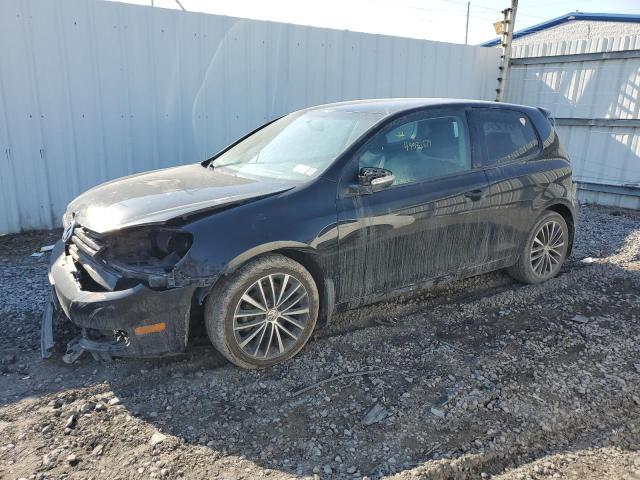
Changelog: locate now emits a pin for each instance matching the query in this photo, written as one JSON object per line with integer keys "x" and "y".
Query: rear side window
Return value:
{"x": 507, "y": 135}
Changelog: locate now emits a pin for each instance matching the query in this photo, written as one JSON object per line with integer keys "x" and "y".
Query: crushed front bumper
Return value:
{"x": 136, "y": 321}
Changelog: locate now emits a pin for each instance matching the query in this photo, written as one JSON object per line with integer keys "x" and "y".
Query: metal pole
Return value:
{"x": 180, "y": 5}
{"x": 466, "y": 30}
{"x": 507, "y": 36}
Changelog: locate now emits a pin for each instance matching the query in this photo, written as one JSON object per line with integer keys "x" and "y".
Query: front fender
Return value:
{"x": 302, "y": 220}
{"x": 254, "y": 252}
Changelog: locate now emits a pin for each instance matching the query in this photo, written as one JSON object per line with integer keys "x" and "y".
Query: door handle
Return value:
{"x": 476, "y": 194}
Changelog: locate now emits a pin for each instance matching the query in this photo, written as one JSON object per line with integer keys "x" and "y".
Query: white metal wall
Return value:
{"x": 603, "y": 89}
{"x": 93, "y": 90}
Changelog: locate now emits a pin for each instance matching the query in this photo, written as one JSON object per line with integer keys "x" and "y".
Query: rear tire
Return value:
{"x": 264, "y": 314}
{"x": 544, "y": 252}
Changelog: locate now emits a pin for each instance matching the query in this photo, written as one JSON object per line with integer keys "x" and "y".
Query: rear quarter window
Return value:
{"x": 506, "y": 135}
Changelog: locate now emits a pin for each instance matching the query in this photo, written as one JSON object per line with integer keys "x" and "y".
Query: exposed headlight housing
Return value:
{"x": 171, "y": 242}
{"x": 147, "y": 250}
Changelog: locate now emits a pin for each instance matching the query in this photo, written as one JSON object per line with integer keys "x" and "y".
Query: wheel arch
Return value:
{"x": 326, "y": 290}
{"x": 296, "y": 251}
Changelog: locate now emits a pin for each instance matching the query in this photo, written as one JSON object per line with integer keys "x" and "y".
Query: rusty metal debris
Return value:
{"x": 337, "y": 377}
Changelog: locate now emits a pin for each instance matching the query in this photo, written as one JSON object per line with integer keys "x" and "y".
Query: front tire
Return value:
{"x": 264, "y": 314}
{"x": 545, "y": 250}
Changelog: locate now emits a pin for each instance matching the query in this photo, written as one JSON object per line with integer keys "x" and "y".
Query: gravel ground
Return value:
{"x": 483, "y": 378}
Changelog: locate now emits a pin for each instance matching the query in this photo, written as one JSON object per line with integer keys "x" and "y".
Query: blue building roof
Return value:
{"x": 594, "y": 17}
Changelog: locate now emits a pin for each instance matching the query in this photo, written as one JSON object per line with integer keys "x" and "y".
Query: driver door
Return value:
{"x": 423, "y": 227}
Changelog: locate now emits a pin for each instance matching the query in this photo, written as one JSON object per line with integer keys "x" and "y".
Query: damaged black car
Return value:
{"x": 324, "y": 209}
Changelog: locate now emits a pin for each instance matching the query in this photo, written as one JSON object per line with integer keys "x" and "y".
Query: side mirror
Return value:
{"x": 375, "y": 179}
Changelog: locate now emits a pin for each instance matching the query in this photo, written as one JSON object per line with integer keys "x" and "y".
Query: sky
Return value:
{"x": 441, "y": 20}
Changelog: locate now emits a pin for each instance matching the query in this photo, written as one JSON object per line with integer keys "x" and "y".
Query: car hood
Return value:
{"x": 161, "y": 195}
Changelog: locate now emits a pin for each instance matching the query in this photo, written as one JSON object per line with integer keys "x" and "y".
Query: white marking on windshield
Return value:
{"x": 304, "y": 169}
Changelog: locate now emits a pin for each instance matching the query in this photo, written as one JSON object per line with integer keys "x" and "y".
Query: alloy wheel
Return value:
{"x": 271, "y": 316}
{"x": 547, "y": 249}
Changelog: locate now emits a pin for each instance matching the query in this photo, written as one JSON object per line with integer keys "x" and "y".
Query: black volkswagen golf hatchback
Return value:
{"x": 324, "y": 209}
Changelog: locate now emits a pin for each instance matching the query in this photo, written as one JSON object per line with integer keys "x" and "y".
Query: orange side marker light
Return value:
{"x": 153, "y": 328}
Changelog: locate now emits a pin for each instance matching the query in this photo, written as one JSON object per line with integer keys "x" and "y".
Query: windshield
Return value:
{"x": 297, "y": 147}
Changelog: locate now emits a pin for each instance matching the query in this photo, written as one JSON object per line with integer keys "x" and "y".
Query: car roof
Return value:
{"x": 390, "y": 106}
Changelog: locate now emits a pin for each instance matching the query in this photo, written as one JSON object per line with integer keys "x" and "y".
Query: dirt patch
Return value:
{"x": 480, "y": 378}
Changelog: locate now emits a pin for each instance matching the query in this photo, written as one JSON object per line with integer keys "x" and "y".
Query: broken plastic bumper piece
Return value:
{"x": 46, "y": 329}
{"x": 101, "y": 349}
{"x": 135, "y": 321}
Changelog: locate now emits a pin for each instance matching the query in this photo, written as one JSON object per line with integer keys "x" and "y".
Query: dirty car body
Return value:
{"x": 416, "y": 192}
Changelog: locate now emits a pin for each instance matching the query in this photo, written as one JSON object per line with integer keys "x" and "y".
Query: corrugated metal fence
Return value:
{"x": 592, "y": 87}
{"x": 91, "y": 90}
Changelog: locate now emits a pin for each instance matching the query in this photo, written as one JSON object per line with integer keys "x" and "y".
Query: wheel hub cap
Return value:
{"x": 272, "y": 315}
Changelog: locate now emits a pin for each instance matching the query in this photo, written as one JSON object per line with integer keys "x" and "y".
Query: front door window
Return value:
{"x": 421, "y": 147}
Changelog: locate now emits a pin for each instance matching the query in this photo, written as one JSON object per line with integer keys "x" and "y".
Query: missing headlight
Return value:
{"x": 168, "y": 242}
{"x": 147, "y": 250}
